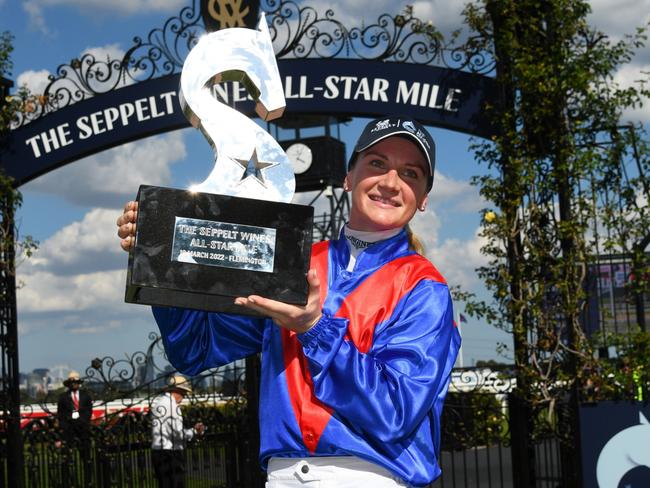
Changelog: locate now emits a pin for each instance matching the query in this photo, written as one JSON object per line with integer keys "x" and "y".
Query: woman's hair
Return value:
{"x": 415, "y": 244}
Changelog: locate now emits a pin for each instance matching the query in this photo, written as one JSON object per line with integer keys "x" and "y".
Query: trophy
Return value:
{"x": 235, "y": 234}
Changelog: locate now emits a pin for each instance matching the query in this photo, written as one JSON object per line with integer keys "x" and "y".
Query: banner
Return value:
{"x": 615, "y": 442}
{"x": 436, "y": 96}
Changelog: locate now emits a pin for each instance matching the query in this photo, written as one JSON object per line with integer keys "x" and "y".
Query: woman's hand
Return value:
{"x": 294, "y": 317}
{"x": 126, "y": 225}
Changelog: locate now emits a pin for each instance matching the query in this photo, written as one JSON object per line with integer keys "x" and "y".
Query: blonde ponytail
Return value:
{"x": 415, "y": 244}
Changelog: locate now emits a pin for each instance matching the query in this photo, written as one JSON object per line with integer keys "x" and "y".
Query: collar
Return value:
{"x": 372, "y": 257}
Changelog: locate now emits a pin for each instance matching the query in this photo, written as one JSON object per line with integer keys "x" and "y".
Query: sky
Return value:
{"x": 70, "y": 300}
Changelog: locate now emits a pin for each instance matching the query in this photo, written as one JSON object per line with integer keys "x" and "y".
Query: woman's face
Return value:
{"x": 388, "y": 184}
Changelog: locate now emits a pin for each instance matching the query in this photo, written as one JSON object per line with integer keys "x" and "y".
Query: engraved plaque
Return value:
{"x": 240, "y": 247}
{"x": 222, "y": 244}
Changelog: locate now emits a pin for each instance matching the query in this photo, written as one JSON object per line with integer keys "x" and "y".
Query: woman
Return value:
{"x": 353, "y": 382}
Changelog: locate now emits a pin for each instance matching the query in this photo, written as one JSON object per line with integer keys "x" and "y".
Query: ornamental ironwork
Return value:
{"x": 119, "y": 385}
{"x": 298, "y": 32}
{"x": 114, "y": 447}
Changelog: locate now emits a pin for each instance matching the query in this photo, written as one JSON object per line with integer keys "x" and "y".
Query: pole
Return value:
{"x": 251, "y": 470}
{"x": 460, "y": 331}
{"x": 521, "y": 416}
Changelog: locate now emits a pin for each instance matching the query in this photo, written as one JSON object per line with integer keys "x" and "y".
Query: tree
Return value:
{"x": 10, "y": 106}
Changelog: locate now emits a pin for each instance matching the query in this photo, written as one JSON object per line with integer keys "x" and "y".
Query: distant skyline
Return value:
{"x": 70, "y": 305}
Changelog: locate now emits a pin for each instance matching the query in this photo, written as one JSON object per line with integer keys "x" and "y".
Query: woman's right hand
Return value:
{"x": 126, "y": 225}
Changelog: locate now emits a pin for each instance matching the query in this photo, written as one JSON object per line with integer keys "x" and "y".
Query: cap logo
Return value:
{"x": 420, "y": 135}
{"x": 382, "y": 125}
{"x": 408, "y": 125}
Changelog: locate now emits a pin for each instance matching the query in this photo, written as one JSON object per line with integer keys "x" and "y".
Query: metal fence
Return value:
{"x": 119, "y": 455}
{"x": 114, "y": 450}
{"x": 476, "y": 450}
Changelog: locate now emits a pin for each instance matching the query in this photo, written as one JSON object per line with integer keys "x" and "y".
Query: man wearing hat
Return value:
{"x": 168, "y": 436}
{"x": 74, "y": 410}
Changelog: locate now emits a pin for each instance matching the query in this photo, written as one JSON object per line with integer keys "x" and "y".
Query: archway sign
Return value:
{"x": 392, "y": 66}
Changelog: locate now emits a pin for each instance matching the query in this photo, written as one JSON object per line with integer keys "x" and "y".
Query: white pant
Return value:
{"x": 329, "y": 472}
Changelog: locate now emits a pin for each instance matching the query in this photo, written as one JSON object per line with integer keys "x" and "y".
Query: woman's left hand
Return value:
{"x": 294, "y": 317}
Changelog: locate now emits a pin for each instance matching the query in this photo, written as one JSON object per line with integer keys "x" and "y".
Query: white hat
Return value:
{"x": 179, "y": 382}
{"x": 73, "y": 376}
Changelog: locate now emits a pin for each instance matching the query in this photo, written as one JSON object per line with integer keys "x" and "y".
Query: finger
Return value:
{"x": 126, "y": 230}
{"x": 127, "y": 243}
{"x": 129, "y": 207}
{"x": 265, "y": 306}
{"x": 314, "y": 287}
{"x": 132, "y": 205}
{"x": 126, "y": 217}
{"x": 281, "y": 313}
{"x": 123, "y": 231}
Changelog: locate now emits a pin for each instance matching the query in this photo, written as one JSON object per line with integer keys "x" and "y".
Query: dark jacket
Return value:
{"x": 65, "y": 408}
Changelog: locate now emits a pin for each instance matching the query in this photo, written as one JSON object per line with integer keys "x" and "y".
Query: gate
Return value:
{"x": 475, "y": 438}
{"x": 480, "y": 424}
{"x": 118, "y": 451}
{"x": 482, "y": 430}
{"x": 475, "y": 444}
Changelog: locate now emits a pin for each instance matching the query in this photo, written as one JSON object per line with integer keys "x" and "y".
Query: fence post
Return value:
{"x": 10, "y": 394}
{"x": 523, "y": 452}
{"x": 570, "y": 447}
{"x": 252, "y": 473}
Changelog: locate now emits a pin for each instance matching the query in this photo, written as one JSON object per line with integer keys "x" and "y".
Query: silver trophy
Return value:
{"x": 236, "y": 233}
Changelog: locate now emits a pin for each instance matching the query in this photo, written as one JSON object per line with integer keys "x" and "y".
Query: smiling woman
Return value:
{"x": 354, "y": 381}
{"x": 389, "y": 182}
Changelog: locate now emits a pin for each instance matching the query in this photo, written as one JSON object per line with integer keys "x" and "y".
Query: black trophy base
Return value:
{"x": 200, "y": 251}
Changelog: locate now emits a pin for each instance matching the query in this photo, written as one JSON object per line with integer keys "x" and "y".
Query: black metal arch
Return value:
{"x": 297, "y": 32}
{"x": 399, "y": 59}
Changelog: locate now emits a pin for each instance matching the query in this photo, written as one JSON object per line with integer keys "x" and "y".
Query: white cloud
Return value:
{"x": 458, "y": 259}
{"x": 112, "y": 177}
{"x": 91, "y": 327}
{"x": 426, "y": 225}
{"x": 48, "y": 292}
{"x": 34, "y": 81}
{"x": 445, "y": 15}
{"x": 456, "y": 195}
{"x": 620, "y": 17}
{"x": 105, "y": 53}
{"x": 80, "y": 247}
{"x": 34, "y": 12}
{"x": 628, "y": 76}
{"x": 445, "y": 188}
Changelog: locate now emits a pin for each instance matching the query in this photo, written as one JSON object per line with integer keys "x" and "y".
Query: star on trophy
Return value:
{"x": 236, "y": 233}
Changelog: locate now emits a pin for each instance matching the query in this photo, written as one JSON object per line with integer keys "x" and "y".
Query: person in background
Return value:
{"x": 168, "y": 435}
{"x": 74, "y": 411}
{"x": 353, "y": 383}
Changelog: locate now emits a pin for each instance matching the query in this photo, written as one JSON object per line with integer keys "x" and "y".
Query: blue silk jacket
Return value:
{"x": 369, "y": 379}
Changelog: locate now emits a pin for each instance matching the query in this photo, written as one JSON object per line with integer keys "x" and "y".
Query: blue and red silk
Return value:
{"x": 369, "y": 379}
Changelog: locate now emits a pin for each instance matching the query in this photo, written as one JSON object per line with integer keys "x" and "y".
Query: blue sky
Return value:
{"x": 70, "y": 305}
